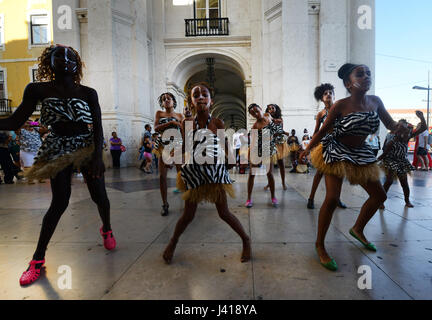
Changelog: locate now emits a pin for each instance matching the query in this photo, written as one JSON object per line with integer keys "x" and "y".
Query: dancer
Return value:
{"x": 263, "y": 123}
{"x": 209, "y": 181}
{"x": 325, "y": 93}
{"x": 281, "y": 142}
{"x": 395, "y": 155}
{"x": 166, "y": 119}
{"x": 344, "y": 154}
{"x": 69, "y": 108}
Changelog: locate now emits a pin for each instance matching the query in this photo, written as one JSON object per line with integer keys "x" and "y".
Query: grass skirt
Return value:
{"x": 294, "y": 147}
{"x": 44, "y": 169}
{"x": 212, "y": 193}
{"x": 283, "y": 151}
{"x": 355, "y": 174}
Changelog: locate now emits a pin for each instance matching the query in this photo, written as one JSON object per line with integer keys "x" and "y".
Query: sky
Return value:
{"x": 403, "y": 30}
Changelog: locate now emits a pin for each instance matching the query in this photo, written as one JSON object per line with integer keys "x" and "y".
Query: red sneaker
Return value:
{"x": 32, "y": 274}
{"x": 108, "y": 239}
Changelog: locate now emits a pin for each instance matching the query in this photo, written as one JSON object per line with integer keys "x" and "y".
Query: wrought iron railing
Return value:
{"x": 207, "y": 27}
{"x": 5, "y": 106}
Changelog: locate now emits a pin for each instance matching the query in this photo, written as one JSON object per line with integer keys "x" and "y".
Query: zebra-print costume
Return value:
{"x": 280, "y": 138}
{"x": 353, "y": 124}
{"x": 159, "y": 144}
{"x": 55, "y": 110}
{"x": 215, "y": 172}
{"x": 272, "y": 129}
{"x": 397, "y": 158}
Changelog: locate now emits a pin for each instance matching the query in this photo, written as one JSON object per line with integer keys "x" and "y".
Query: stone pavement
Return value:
{"x": 206, "y": 264}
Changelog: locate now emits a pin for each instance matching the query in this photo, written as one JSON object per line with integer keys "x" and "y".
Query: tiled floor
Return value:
{"x": 206, "y": 264}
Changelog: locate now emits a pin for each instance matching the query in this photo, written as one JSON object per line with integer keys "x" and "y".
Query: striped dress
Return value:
{"x": 397, "y": 158}
{"x": 203, "y": 181}
{"x": 354, "y": 124}
{"x": 58, "y": 152}
{"x": 160, "y": 144}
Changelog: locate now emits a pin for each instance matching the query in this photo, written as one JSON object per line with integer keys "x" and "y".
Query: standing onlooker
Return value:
{"x": 5, "y": 158}
{"x": 30, "y": 142}
{"x": 422, "y": 151}
{"x": 115, "y": 150}
{"x": 147, "y": 132}
{"x": 374, "y": 142}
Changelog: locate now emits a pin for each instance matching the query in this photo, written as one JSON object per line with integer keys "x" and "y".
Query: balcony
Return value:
{"x": 5, "y": 107}
{"x": 207, "y": 27}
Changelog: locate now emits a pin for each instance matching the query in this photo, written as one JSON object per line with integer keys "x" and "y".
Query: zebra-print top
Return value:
{"x": 56, "y": 110}
{"x": 353, "y": 124}
{"x": 159, "y": 143}
{"x": 280, "y": 138}
{"x": 210, "y": 151}
{"x": 272, "y": 129}
{"x": 396, "y": 159}
{"x": 64, "y": 110}
{"x": 323, "y": 119}
{"x": 357, "y": 124}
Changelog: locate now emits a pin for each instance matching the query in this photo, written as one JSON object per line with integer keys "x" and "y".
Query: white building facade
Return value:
{"x": 261, "y": 51}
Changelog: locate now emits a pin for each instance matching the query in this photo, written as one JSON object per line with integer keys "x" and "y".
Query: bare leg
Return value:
{"x": 406, "y": 190}
{"x": 163, "y": 181}
{"x": 282, "y": 173}
{"x": 271, "y": 181}
{"x": 377, "y": 196}
{"x": 315, "y": 184}
{"x": 234, "y": 223}
{"x": 333, "y": 190}
{"x": 387, "y": 184}
{"x": 251, "y": 180}
{"x": 182, "y": 223}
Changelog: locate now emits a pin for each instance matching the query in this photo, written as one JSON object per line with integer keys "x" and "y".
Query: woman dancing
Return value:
{"x": 263, "y": 123}
{"x": 209, "y": 181}
{"x": 294, "y": 148}
{"x": 280, "y": 140}
{"x": 166, "y": 119}
{"x": 395, "y": 155}
{"x": 344, "y": 154}
{"x": 70, "y": 109}
{"x": 325, "y": 93}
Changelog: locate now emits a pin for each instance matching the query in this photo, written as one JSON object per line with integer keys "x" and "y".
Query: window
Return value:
{"x": 2, "y": 86}
{"x": 39, "y": 28}
{"x": 207, "y": 9}
{"x": 33, "y": 75}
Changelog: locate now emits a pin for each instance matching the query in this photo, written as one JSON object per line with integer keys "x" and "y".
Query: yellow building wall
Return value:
{"x": 17, "y": 45}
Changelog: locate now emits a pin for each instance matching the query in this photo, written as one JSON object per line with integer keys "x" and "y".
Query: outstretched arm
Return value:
{"x": 422, "y": 126}
{"x": 385, "y": 117}
{"x": 24, "y": 111}
{"x": 317, "y": 123}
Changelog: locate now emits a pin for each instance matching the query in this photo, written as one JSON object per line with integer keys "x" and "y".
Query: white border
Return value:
{"x": 5, "y": 82}
{"x": 49, "y": 31}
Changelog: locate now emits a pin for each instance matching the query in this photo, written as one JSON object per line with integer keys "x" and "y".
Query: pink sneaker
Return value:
{"x": 32, "y": 274}
{"x": 275, "y": 202}
{"x": 249, "y": 204}
{"x": 108, "y": 239}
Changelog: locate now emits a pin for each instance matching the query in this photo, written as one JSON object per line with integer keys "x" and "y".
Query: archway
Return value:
{"x": 229, "y": 83}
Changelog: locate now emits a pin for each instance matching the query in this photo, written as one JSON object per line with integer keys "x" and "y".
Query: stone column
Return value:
{"x": 297, "y": 110}
{"x": 362, "y": 34}
{"x": 333, "y": 43}
{"x": 66, "y": 28}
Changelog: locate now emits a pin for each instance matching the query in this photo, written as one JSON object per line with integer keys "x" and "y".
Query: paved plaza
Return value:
{"x": 206, "y": 264}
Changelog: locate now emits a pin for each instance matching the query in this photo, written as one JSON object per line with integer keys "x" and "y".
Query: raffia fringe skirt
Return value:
{"x": 283, "y": 151}
{"x": 45, "y": 169}
{"x": 212, "y": 193}
{"x": 355, "y": 174}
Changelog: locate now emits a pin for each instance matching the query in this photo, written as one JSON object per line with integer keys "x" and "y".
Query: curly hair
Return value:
{"x": 319, "y": 91}
{"x": 189, "y": 94}
{"x": 46, "y": 73}
{"x": 172, "y": 97}
{"x": 278, "y": 112}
